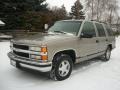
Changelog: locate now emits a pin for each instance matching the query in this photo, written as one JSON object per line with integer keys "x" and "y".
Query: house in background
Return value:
{"x": 2, "y": 23}
{"x": 3, "y": 36}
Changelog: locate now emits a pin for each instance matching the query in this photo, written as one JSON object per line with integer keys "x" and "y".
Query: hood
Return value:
{"x": 43, "y": 38}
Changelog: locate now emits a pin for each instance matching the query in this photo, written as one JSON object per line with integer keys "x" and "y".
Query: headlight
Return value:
{"x": 36, "y": 57}
{"x": 11, "y": 44}
{"x": 35, "y": 49}
{"x": 43, "y": 53}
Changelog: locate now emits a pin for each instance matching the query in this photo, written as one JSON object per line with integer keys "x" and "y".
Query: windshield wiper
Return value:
{"x": 60, "y": 32}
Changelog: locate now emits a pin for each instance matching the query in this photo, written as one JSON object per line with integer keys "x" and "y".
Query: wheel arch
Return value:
{"x": 69, "y": 52}
{"x": 110, "y": 45}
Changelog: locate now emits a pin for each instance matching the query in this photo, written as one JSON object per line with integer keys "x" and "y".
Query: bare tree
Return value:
{"x": 98, "y": 3}
{"x": 102, "y": 10}
{"x": 90, "y": 8}
{"x": 112, "y": 10}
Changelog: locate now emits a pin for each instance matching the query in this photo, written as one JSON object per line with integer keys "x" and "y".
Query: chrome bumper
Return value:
{"x": 43, "y": 67}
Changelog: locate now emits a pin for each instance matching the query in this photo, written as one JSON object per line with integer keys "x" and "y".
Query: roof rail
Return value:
{"x": 100, "y": 21}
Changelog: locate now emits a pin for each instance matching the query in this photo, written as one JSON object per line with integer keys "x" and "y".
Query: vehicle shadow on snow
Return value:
{"x": 40, "y": 76}
{"x": 86, "y": 65}
{"x": 34, "y": 74}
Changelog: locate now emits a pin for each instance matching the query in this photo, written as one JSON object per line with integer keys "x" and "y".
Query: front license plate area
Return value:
{"x": 13, "y": 63}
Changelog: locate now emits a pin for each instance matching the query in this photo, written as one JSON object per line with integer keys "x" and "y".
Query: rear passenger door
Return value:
{"x": 102, "y": 39}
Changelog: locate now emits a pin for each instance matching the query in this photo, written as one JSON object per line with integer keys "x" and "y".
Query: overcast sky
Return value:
{"x": 67, "y": 3}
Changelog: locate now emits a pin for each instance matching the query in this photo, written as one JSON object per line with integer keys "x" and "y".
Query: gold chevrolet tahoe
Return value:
{"x": 66, "y": 43}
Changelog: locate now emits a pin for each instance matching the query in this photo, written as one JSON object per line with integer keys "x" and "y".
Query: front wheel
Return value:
{"x": 62, "y": 67}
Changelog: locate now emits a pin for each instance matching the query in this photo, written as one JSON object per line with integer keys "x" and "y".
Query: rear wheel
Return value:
{"x": 107, "y": 55}
{"x": 62, "y": 67}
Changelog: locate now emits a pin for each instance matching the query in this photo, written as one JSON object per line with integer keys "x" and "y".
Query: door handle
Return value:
{"x": 97, "y": 41}
{"x": 106, "y": 40}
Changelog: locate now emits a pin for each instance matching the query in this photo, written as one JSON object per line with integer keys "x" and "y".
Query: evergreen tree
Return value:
{"x": 12, "y": 11}
{"x": 64, "y": 12}
{"x": 76, "y": 10}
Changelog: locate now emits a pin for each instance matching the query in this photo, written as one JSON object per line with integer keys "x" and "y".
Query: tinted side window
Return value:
{"x": 109, "y": 30}
{"x": 88, "y": 29}
{"x": 100, "y": 29}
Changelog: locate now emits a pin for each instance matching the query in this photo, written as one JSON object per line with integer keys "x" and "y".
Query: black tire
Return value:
{"x": 107, "y": 55}
{"x": 58, "y": 61}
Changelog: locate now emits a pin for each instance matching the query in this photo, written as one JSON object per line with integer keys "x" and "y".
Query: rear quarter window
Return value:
{"x": 109, "y": 30}
{"x": 100, "y": 29}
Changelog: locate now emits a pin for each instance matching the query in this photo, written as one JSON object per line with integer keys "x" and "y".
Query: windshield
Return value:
{"x": 66, "y": 27}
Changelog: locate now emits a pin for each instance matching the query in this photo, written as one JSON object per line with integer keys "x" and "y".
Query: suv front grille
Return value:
{"x": 24, "y": 47}
{"x": 26, "y": 55}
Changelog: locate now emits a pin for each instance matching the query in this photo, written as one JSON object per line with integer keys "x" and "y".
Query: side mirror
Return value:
{"x": 46, "y": 26}
{"x": 86, "y": 35}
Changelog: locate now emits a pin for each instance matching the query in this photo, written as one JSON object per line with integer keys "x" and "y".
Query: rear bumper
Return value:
{"x": 43, "y": 67}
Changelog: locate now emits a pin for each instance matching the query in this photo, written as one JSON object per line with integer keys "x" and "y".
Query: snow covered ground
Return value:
{"x": 90, "y": 75}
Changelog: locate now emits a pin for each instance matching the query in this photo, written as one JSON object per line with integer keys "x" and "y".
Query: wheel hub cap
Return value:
{"x": 64, "y": 68}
